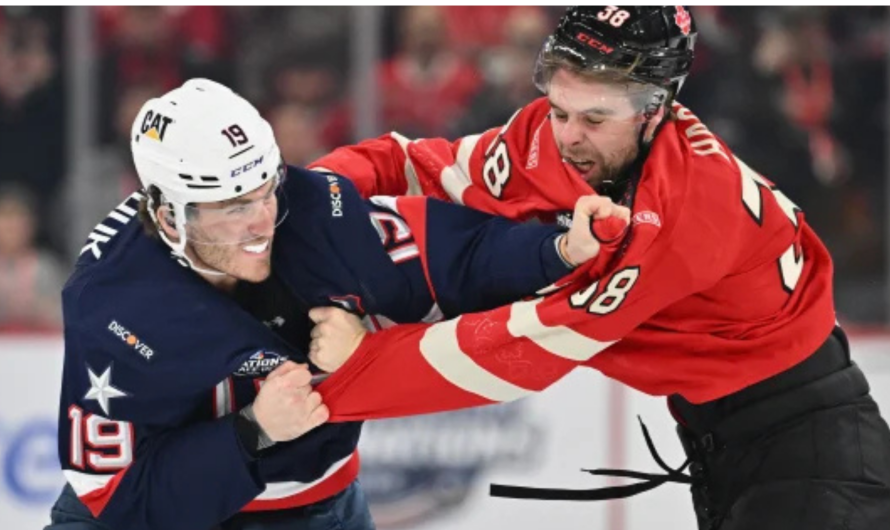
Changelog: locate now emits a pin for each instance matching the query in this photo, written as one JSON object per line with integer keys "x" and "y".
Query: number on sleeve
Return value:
{"x": 496, "y": 171}
{"x": 611, "y": 298}
{"x": 75, "y": 414}
{"x": 110, "y": 442}
{"x": 396, "y": 236}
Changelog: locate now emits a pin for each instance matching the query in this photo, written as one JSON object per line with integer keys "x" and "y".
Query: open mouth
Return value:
{"x": 583, "y": 166}
{"x": 258, "y": 248}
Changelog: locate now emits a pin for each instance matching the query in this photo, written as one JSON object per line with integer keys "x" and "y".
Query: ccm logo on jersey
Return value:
{"x": 336, "y": 197}
{"x": 247, "y": 167}
{"x": 260, "y": 363}
{"x": 131, "y": 340}
{"x": 154, "y": 125}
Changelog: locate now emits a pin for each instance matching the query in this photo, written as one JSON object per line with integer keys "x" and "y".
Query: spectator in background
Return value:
{"x": 31, "y": 105}
{"x": 508, "y": 84}
{"x": 30, "y": 279}
{"x": 280, "y": 48}
{"x": 159, "y": 45}
{"x": 426, "y": 86}
{"x": 110, "y": 172}
{"x": 306, "y": 86}
{"x": 297, "y": 133}
{"x": 298, "y": 79}
{"x": 473, "y": 30}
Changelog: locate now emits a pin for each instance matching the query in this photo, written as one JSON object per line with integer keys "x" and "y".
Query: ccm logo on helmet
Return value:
{"x": 154, "y": 125}
{"x": 247, "y": 167}
{"x": 594, "y": 43}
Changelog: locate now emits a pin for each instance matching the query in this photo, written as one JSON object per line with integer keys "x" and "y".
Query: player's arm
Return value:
{"x": 473, "y": 170}
{"x": 515, "y": 350}
{"x": 381, "y": 166}
{"x": 474, "y": 261}
{"x": 138, "y": 461}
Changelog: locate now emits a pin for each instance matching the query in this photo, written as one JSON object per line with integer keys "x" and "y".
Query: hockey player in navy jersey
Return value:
{"x": 184, "y": 402}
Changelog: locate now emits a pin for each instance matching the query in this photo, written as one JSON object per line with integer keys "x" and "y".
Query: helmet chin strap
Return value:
{"x": 178, "y": 247}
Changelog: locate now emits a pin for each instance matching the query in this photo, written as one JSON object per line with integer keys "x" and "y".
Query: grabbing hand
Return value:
{"x": 335, "y": 337}
{"x": 596, "y": 220}
{"x": 286, "y": 407}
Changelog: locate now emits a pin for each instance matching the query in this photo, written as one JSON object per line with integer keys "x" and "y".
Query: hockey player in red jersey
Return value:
{"x": 720, "y": 296}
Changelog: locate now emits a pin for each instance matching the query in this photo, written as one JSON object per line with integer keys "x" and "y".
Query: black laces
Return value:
{"x": 647, "y": 481}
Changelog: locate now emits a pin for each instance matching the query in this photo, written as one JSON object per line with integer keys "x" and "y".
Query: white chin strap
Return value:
{"x": 178, "y": 247}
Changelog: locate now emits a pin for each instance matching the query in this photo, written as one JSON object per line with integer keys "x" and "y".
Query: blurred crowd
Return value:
{"x": 799, "y": 93}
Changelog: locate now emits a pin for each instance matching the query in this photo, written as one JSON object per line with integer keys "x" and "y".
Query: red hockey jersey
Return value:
{"x": 721, "y": 283}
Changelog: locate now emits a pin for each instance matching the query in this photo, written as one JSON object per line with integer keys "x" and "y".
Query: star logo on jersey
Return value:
{"x": 102, "y": 390}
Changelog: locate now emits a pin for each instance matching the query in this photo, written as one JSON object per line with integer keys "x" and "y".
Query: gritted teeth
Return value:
{"x": 258, "y": 248}
{"x": 582, "y": 166}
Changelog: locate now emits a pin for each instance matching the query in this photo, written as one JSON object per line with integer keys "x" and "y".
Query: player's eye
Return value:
{"x": 593, "y": 121}
{"x": 238, "y": 209}
{"x": 560, "y": 116}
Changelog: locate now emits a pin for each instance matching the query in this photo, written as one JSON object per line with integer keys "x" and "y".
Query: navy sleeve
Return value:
{"x": 144, "y": 358}
{"x": 478, "y": 261}
{"x": 193, "y": 477}
{"x": 475, "y": 261}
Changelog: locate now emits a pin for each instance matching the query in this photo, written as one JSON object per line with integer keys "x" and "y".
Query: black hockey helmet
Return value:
{"x": 651, "y": 45}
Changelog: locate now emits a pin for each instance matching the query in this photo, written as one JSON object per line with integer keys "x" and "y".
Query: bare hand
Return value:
{"x": 596, "y": 220}
{"x": 286, "y": 407}
{"x": 335, "y": 337}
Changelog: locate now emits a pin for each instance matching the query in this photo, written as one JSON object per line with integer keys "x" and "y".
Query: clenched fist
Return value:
{"x": 335, "y": 337}
{"x": 596, "y": 220}
{"x": 286, "y": 407}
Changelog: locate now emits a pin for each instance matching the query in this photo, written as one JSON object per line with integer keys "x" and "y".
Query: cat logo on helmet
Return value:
{"x": 154, "y": 125}
{"x": 683, "y": 20}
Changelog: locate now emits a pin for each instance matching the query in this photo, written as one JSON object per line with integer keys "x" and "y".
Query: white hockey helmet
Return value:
{"x": 202, "y": 143}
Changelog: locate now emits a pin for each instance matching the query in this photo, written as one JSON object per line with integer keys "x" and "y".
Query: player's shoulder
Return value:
{"x": 319, "y": 192}
{"x": 135, "y": 275}
{"x": 689, "y": 156}
{"x": 536, "y": 110}
{"x": 119, "y": 251}
{"x": 154, "y": 319}
{"x": 113, "y": 236}
{"x": 526, "y": 137}
{"x": 525, "y": 122}
{"x": 690, "y": 174}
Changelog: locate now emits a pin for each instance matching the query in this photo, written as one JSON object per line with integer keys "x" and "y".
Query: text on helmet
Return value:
{"x": 154, "y": 125}
{"x": 247, "y": 167}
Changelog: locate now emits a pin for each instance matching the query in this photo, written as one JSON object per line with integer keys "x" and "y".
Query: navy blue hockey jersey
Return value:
{"x": 157, "y": 360}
